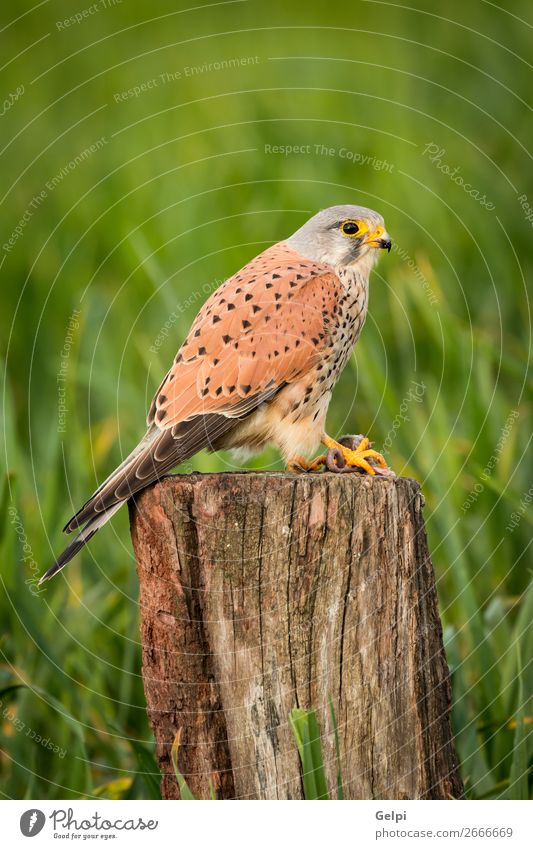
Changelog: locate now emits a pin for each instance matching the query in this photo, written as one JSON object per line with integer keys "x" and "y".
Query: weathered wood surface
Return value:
{"x": 264, "y": 592}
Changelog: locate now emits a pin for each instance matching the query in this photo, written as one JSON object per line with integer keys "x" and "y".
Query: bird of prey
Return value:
{"x": 259, "y": 364}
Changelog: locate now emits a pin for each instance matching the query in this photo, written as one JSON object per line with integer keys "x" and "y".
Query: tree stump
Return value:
{"x": 261, "y": 592}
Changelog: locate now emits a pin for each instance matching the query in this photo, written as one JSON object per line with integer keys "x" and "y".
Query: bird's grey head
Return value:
{"x": 344, "y": 235}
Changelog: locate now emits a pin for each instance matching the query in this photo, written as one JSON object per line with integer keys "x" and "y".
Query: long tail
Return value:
{"x": 156, "y": 454}
{"x": 79, "y": 541}
{"x": 93, "y": 514}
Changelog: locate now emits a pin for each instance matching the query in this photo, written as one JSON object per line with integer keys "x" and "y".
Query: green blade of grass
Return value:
{"x": 148, "y": 771}
{"x": 305, "y": 729}
{"x": 185, "y": 791}
{"x": 476, "y": 772}
{"x": 518, "y": 780}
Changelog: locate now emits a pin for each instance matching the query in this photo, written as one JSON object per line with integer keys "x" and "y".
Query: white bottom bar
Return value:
{"x": 257, "y": 824}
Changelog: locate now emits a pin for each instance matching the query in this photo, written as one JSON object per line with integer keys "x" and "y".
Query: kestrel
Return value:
{"x": 259, "y": 364}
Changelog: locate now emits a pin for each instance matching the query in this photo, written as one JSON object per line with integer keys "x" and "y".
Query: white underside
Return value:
{"x": 271, "y": 425}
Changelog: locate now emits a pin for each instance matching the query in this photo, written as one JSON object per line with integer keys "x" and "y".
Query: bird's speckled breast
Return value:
{"x": 351, "y": 314}
{"x": 347, "y": 321}
{"x": 295, "y": 419}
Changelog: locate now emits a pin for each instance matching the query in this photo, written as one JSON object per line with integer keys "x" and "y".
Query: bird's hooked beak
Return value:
{"x": 379, "y": 238}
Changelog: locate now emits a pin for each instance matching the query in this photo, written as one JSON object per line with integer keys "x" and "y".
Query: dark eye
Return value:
{"x": 350, "y": 228}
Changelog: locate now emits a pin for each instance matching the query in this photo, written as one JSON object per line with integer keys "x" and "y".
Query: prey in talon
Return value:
{"x": 259, "y": 365}
{"x": 355, "y": 454}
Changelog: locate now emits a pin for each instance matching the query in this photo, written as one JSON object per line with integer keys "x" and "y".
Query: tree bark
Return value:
{"x": 264, "y": 592}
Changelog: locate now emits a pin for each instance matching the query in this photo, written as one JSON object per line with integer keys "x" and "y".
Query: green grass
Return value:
{"x": 180, "y": 195}
{"x": 304, "y": 725}
{"x": 306, "y": 732}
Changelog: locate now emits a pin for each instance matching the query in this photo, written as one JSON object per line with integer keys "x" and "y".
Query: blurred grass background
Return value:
{"x": 181, "y": 191}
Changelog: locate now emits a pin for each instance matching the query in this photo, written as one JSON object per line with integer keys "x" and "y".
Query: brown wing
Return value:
{"x": 263, "y": 328}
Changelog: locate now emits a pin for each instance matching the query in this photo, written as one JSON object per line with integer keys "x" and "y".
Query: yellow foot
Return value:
{"x": 341, "y": 456}
{"x": 300, "y": 464}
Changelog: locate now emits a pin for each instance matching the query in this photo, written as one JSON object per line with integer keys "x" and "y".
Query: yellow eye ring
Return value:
{"x": 353, "y": 228}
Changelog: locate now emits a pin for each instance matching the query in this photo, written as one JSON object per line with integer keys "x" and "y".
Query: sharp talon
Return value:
{"x": 362, "y": 464}
{"x": 353, "y": 453}
{"x": 299, "y": 464}
{"x": 379, "y": 458}
{"x": 317, "y": 463}
{"x": 295, "y": 468}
